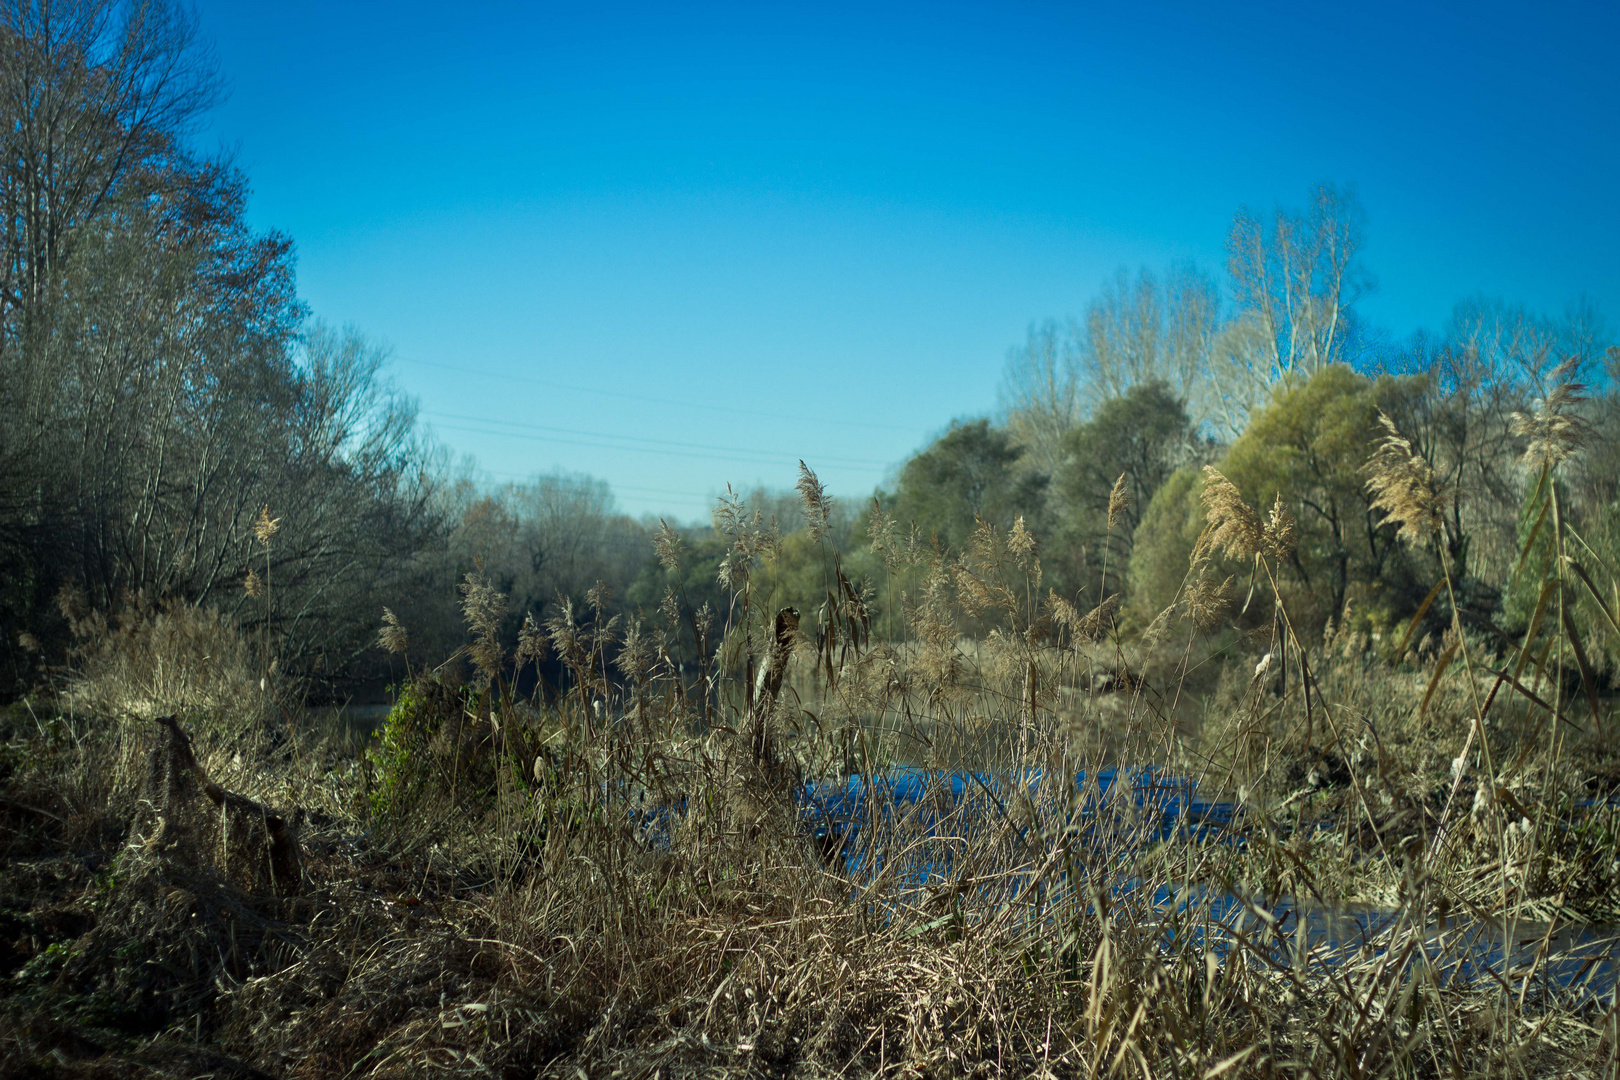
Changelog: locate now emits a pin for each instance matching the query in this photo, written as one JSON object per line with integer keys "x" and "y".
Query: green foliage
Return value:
{"x": 1587, "y": 580}
{"x": 1599, "y": 608}
{"x": 1307, "y": 449}
{"x": 1535, "y": 542}
{"x": 1142, "y": 436}
{"x": 1310, "y": 447}
{"x": 402, "y": 761}
{"x": 802, "y": 572}
{"x": 1164, "y": 542}
{"x": 972, "y": 472}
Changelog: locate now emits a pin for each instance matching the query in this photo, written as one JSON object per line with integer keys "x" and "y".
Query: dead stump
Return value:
{"x": 200, "y": 822}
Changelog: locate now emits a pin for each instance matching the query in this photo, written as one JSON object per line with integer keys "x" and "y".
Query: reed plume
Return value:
{"x": 265, "y": 527}
{"x": 531, "y": 640}
{"x": 1280, "y": 532}
{"x": 813, "y": 497}
{"x": 1118, "y": 501}
{"x": 1555, "y": 430}
{"x": 1062, "y": 611}
{"x": 1207, "y": 600}
{"x": 667, "y": 547}
{"x": 883, "y": 532}
{"x": 1097, "y": 622}
{"x": 392, "y": 637}
{"x": 483, "y": 607}
{"x": 1234, "y": 526}
{"x": 635, "y": 657}
{"x": 1023, "y": 546}
{"x": 1402, "y": 484}
{"x": 564, "y": 633}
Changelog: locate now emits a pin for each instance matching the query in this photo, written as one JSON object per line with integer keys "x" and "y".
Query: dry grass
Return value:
{"x": 612, "y": 879}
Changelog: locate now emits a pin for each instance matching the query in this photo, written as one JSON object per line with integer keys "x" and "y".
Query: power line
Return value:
{"x": 660, "y": 447}
{"x": 624, "y": 395}
{"x": 614, "y": 488}
{"x": 639, "y": 438}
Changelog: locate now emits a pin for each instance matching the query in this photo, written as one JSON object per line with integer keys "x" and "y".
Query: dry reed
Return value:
{"x": 604, "y": 888}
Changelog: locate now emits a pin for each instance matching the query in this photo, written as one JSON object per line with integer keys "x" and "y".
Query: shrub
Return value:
{"x": 166, "y": 657}
{"x": 403, "y": 762}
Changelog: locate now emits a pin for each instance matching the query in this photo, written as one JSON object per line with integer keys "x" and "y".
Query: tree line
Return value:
{"x": 1110, "y": 424}
{"x": 163, "y": 389}
{"x": 175, "y": 425}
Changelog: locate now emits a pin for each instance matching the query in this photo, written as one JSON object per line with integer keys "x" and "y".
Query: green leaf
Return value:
{"x": 1597, "y": 597}
{"x": 1530, "y": 541}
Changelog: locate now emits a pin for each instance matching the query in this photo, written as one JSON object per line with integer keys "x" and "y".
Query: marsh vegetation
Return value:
{"x": 1238, "y": 700}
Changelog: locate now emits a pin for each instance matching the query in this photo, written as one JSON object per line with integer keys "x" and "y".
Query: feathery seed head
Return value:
{"x": 636, "y": 656}
{"x": 531, "y": 640}
{"x": 667, "y": 546}
{"x": 813, "y": 496}
{"x": 1554, "y": 431}
{"x": 564, "y": 632}
{"x": 392, "y": 637}
{"x": 1098, "y": 621}
{"x": 1158, "y": 628}
{"x": 71, "y": 603}
{"x": 884, "y": 532}
{"x": 482, "y": 605}
{"x": 253, "y": 584}
{"x": 752, "y": 538}
{"x": 265, "y": 527}
{"x": 1118, "y": 501}
{"x": 1021, "y": 543}
{"x": 1402, "y": 484}
{"x": 1207, "y": 600}
{"x": 1234, "y": 527}
{"x": 1062, "y": 612}
{"x": 1280, "y": 532}
{"x": 670, "y": 610}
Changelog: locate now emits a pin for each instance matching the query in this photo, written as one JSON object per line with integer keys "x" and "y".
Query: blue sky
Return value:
{"x": 678, "y": 246}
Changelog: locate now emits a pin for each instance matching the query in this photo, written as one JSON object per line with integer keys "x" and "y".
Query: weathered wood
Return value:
{"x": 257, "y": 838}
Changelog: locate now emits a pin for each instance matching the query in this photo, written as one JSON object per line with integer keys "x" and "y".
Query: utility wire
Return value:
{"x": 661, "y": 447}
{"x": 553, "y": 384}
{"x": 548, "y": 428}
{"x": 612, "y": 487}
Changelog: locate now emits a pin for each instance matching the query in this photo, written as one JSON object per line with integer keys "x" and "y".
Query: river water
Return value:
{"x": 1527, "y": 958}
{"x": 1124, "y": 812}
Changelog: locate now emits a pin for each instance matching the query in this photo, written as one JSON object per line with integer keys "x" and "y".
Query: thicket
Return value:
{"x": 164, "y": 391}
{"x": 617, "y": 870}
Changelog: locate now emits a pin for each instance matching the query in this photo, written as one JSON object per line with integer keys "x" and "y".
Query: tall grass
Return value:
{"x": 614, "y": 874}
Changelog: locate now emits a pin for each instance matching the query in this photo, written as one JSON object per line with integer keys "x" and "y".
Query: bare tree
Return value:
{"x": 1241, "y": 375}
{"x": 1295, "y": 282}
{"x": 1147, "y": 331}
{"x": 1041, "y": 392}
{"x": 93, "y": 92}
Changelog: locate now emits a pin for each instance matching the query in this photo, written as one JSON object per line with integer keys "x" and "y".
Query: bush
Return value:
{"x": 403, "y": 761}
{"x": 164, "y": 658}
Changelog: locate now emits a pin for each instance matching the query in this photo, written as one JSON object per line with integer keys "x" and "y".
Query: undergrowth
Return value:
{"x": 613, "y": 874}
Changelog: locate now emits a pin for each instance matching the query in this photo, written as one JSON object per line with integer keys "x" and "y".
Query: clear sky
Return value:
{"x": 675, "y": 245}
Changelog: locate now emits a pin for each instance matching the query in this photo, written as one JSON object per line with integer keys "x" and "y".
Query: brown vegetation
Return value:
{"x": 611, "y": 876}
